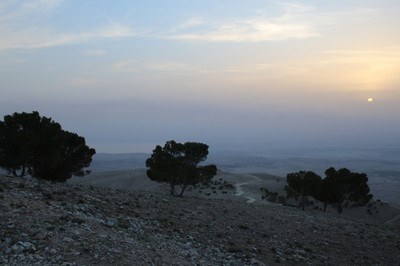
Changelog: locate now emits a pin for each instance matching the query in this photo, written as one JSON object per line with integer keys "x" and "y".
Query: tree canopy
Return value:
{"x": 38, "y": 146}
{"x": 337, "y": 188}
{"x": 177, "y": 165}
{"x": 304, "y": 184}
{"x": 345, "y": 186}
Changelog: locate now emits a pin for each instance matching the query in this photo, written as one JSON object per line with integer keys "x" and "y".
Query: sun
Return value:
{"x": 370, "y": 100}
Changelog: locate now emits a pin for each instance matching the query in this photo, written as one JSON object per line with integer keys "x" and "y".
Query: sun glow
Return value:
{"x": 370, "y": 100}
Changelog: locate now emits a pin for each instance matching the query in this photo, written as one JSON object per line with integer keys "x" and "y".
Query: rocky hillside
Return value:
{"x": 60, "y": 224}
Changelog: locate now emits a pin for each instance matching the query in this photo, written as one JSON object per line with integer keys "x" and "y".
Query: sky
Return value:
{"x": 129, "y": 75}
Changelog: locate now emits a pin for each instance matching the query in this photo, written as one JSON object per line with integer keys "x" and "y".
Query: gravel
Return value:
{"x": 44, "y": 223}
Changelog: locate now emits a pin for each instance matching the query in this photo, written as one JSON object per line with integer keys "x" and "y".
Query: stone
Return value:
{"x": 21, "y": 247}
{"x": 111, "y": 222}
{"x": 53, "y": 251}
{"x": 68, "y": 239}
{"x": 183, "y": 231}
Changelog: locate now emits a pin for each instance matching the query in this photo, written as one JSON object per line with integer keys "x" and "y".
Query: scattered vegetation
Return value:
{"x": 219, "y": 185}
{"x": 273, "y": 196}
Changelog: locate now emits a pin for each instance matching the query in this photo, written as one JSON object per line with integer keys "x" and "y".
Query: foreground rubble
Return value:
{"x": 44, "y": 223}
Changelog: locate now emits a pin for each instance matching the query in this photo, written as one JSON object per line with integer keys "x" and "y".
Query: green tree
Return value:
{"x": 303, "y": 184}
{"x": 345, "y": 186}
{"x": 38, "y": 146}
{"x": 177, "y": 165}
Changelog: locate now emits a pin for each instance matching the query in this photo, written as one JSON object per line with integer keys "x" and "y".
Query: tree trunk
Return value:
{"x": 172, "y": 189}
{"x": 183, "y": 188}
{"x": 340, "y": 207}
{"x": 22, "y": 171}
{"x": 21, "y": 174}
{"x": 302, "y": 202}
{"x": 325, "y": 205}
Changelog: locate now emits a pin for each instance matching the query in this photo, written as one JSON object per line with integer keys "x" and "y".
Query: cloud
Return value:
{"x": 247, "y": 72}
{"x": 10, "y": 10}
{"x": 30, "y": 38}
{"x": 190, "y": 23}
{"x": 115, "y": 30}
{"x": 389, "y": 51}
{"x": 126, "y": 66}
{"x": 22, "y": 26}
{"x": 296, "y": 8}
{"x": 387, "y": 58}
{"x": 84, "y": 82}
{"x": 252, "y": 30}
{"x": 350, "y": 69}
{"x": 295, "y": 21}
{"x": 95, "y": 52}
{"x": 158, "y": 66}
{"x": 7, "y": 61}
{"x": 290, "y": 24}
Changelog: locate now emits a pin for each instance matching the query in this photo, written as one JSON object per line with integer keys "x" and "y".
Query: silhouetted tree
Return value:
{"x": 303, "y": 184}
{"x": 345, "y": 186}
{"x": 177, "y": 165}
{"x": 324, "y": 194}
{"x": 38, "y": 146}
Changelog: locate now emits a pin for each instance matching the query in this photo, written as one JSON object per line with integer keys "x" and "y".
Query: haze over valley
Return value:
{"x": 381, "y": 166}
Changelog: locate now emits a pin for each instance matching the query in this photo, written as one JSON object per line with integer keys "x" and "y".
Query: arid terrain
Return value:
{"x": 45, "y": 223}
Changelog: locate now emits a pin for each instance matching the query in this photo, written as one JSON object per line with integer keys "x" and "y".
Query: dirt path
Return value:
{"x": 393, "y": 220}
{"x": 242, "y": 192}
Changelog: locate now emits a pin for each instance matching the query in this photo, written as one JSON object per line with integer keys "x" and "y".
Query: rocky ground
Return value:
{"x": 43, "y": 223}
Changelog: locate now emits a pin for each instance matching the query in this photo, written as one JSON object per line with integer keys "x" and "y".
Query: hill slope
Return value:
{"x": 47, "y": 223}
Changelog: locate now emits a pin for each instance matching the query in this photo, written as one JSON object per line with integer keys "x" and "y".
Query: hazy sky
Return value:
{"x": 128, "y": 75}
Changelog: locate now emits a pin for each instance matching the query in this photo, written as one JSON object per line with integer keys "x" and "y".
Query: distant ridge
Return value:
{"x": 119, "y": 161}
